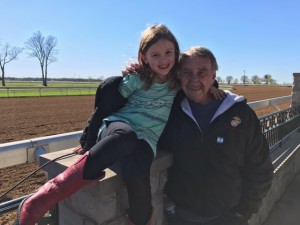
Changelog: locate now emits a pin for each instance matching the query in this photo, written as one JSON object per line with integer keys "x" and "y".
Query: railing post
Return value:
{"x": 296, "y": 90}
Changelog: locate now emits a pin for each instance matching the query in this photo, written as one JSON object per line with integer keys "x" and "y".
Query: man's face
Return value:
{"x": 197, "y": 76}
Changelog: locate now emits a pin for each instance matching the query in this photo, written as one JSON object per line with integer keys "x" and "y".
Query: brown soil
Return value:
{"x": 27, "y": 118}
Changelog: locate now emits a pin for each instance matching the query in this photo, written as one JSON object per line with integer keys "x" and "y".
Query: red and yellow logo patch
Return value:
{"x": 236, "y": 121}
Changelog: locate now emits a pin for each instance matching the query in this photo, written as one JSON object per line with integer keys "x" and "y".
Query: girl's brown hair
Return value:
{"x": 149, "y": 37}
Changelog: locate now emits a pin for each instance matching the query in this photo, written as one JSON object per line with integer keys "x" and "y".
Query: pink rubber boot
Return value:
{"x": 62, "y": 186}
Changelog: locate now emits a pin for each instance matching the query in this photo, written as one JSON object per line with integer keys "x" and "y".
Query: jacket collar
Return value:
{"x": 230, "y": 100}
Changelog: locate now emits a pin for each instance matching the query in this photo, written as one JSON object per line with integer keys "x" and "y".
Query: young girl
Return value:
{"x": 130, "y": 134}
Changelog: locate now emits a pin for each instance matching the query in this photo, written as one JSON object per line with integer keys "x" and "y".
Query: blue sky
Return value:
{"x": 97, "y": 38}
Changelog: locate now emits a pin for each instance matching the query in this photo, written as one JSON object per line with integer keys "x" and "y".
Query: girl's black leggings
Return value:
{"x": 118, "y": 142}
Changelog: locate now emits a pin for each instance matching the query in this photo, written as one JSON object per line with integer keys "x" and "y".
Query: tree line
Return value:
{"x": 255, "y": 79}
{"x": 37, "y": 46}
{"x": 63, "y": 79}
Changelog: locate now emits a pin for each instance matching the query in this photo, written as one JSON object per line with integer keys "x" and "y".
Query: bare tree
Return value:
{"x": 229, "y": 79}
{"x": 236, "y": 81}
{"x": 219, "y": 79}
{"x": 7, "y": 54}
{"x": 273, "y": 81}
{"x": 255, "y": 79}
{"x": 44, "y": 49}
{"x": 268, "y": 78}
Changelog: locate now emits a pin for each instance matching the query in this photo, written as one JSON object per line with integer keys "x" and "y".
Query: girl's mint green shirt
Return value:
{"x": 146, "y": 111}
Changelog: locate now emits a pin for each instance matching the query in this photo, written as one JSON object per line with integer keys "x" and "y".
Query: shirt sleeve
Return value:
{"x": 129, "y": 85}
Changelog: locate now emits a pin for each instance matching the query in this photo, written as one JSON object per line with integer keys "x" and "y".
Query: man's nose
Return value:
{"x": 194, "y": 76}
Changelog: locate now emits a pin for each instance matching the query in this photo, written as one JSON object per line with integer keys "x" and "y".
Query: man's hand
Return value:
{"x": 217, "y": 93}
{"x": 79, "y": 150}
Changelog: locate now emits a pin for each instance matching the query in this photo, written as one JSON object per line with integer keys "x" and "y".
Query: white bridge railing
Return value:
{"x": 271, "y": 101}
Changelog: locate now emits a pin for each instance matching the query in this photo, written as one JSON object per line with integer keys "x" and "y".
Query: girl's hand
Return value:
{"x": 79, "y": 150}
{"x": 217, "y": 93}
{"x": 133, "y": 68}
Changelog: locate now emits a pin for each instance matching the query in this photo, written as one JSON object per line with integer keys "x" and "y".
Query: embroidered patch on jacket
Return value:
{"x": 220, "y": 140}
{"x": 236, "y": 121}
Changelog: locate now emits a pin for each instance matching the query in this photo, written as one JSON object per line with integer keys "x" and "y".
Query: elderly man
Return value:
{"x": 222, "y": 167}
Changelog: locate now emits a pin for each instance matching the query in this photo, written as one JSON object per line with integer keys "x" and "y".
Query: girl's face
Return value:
{"x": 161, "y": 59}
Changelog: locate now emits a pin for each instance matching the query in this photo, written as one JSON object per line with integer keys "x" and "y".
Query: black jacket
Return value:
{"x": 107, "y": 100}
{"x": 226, "y": 169}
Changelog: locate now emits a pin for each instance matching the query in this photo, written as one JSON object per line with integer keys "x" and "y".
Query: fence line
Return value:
{"x": 46, "y": 91}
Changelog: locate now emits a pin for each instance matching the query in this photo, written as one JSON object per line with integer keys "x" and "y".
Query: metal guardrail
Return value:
{"x": 14, "y": 153}
{"x": 277, "y": 126}
{"x": 12, "y": 204}
{"x": 271, "y": 101}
